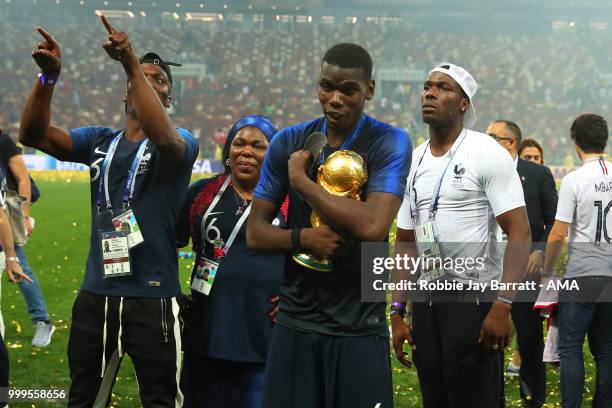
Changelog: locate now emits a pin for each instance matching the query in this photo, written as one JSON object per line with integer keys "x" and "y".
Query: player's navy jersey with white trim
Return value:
{"x": 330, "y": 303}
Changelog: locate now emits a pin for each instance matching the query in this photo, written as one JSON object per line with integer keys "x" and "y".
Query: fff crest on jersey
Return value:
{"x": 143, "y": 166}
{"x": 459, "y": 171}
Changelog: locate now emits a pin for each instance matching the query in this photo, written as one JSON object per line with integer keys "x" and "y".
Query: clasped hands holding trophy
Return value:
{"x": 342, "y": 174}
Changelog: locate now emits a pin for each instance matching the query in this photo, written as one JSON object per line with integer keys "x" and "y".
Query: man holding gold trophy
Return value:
{"x": 329, "y": 349}
{"x": 342, "y": 174}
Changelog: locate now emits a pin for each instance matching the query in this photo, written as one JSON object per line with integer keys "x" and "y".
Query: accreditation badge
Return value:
{"x": 429, "y": 251}
{"x": 127, "y": 222}
{"x": 204, "y": 276}
{"x": 115, "y": 252}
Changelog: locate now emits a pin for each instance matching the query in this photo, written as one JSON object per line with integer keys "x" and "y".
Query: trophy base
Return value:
{"x": 313, "y": 262}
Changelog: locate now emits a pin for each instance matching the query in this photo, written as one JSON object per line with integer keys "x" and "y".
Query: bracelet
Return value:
{"x": 46, "y": 79}
{"x": 12, "y": 259}
{"x": 504, "y": 299}
{"x": 397, "y": 308}
{"x": 296, "y": 241}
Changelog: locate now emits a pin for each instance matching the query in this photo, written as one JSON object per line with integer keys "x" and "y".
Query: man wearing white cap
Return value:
{"x": 461, "y": 189}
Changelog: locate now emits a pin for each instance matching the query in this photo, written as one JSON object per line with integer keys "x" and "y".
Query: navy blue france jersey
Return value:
{"x": 329, "y": 303}
{"x": 159, "y": 192}
{"x": 232, "y": 323}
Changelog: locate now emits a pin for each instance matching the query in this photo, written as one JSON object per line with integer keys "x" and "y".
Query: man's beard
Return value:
{"x": 440, "y": 122}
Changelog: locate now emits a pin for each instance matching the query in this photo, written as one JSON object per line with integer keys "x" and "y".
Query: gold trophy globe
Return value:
{"x": 343, "y": 174}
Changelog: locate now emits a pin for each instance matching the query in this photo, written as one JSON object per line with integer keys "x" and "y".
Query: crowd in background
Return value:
{"x": 539, "y": 81}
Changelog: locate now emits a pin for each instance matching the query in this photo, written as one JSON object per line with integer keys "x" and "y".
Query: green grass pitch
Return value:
{"x": 57, "y": 253}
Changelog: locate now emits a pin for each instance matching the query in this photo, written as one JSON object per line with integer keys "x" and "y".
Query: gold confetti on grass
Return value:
{"x": 66, "y": 176}
{"x": 16, "y": 325}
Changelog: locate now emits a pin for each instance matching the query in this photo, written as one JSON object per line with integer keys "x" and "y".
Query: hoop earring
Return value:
{"x": 227, "y": 162}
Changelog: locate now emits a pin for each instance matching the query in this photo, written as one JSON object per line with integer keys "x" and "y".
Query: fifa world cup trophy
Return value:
{"x": 343, "y": 174}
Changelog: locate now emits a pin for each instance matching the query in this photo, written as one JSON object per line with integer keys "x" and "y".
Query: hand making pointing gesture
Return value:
{"x": 118, "y": 45}
{"x": 47, "y": 54}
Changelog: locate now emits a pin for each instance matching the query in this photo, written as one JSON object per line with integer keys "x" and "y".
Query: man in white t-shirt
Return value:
{"x": 462, "y": 187}
{"x": 585, "y": 200}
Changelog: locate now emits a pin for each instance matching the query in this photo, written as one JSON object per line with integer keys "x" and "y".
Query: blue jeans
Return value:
{"x": 576, "y": 320}
{"x": 31, "y": 290}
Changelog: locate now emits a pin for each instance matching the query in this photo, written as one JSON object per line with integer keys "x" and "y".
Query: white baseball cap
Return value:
{"x": 466, "y": 82}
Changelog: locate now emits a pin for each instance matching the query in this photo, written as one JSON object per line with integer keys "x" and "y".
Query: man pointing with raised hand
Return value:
{"x": 139, "y": 175}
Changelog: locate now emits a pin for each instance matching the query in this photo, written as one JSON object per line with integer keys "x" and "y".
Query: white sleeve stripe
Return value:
{"x": 563, "y": 219}
{"x": 509, "y": 207}
{"x": 406, "y": 226}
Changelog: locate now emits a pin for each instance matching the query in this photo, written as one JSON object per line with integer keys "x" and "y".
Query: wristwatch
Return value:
{"x": 12, "y": 259}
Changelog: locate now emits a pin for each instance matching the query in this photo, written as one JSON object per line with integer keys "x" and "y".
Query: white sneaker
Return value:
{"x": 43, "y": 333}
{"x": 513, "y": 371}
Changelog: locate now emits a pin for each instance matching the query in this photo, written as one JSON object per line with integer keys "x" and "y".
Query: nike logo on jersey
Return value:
{"x": 98, "y": 151}
{"x": 215, "y": 213}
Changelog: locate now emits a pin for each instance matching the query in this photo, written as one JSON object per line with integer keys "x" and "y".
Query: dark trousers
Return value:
{"x": 211, "y": 383}
{"x": 530, "y": 338}
{"x": 150, "y": 335}
{"x": 454, "y": 370}
{"x": 310, "y": 370}
{"x": 4, "y": 367}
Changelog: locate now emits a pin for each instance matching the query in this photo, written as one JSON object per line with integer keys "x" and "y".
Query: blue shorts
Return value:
{"x": 310, "y": 370}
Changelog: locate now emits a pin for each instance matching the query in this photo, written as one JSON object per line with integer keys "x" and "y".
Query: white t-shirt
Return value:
{"x": 480, "y": 183}
{"x": 585, "y": 201}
